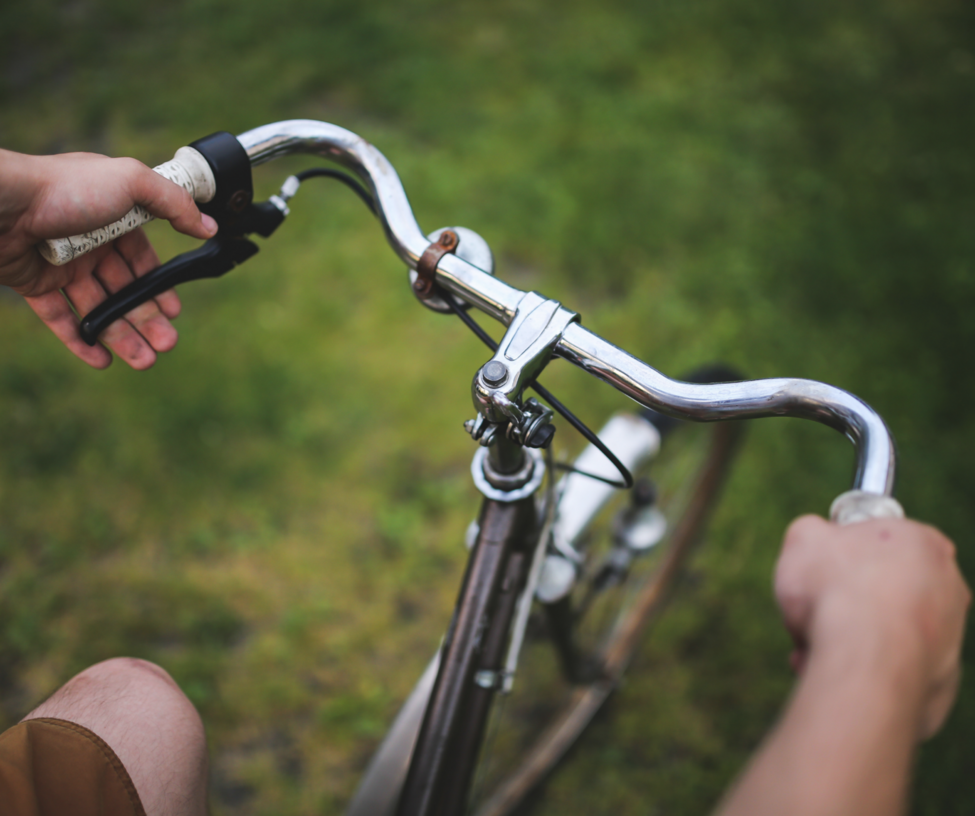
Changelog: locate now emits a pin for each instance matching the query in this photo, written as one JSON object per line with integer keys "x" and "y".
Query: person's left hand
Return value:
{"x": 45, "y": 197}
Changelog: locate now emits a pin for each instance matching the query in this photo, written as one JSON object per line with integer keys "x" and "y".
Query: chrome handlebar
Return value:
{"x": 875, "y": 454}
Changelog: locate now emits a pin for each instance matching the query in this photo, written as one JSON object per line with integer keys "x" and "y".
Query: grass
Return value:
{"x": 275, "y": 516}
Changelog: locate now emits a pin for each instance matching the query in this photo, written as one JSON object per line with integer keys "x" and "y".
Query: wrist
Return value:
{"x": 872, "y": 647}
{"x": 16, "y": 191}
{"x": 845, "y": 741}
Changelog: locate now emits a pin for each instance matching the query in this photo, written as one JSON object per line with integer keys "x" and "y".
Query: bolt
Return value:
{"x": 541, "y": 437}
{"x": 494, "y": 373}
{"x": 644, "y": 493}
{"x": 238, "y": 201}
{"x": 448, "y": 239}
{"x": 487, "y": 679}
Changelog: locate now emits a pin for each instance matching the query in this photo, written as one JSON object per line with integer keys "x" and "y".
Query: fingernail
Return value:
{"x": 208, "y": 224}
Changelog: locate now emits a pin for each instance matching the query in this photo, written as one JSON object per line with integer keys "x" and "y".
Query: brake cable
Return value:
{"x": 345, "y": 178}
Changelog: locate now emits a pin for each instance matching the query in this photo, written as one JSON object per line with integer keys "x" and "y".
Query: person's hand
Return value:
{"x": 45, "y": 197}
{"x": 887, "y": 591}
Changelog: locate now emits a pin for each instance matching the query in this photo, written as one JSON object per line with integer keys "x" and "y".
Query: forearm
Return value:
{"x": 844, "y": 744}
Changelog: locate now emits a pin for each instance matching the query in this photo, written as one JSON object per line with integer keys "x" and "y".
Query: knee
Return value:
{"x": 129, "y": 672}
{"x": 154, "y": 729}
{"x": 141, "y": 686}
{"x": 127, "y": 689}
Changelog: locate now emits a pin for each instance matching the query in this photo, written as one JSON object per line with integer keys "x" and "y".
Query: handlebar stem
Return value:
{"x": 523, "y": 352}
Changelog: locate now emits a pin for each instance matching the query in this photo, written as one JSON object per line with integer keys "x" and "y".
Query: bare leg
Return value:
{"x": 138, "y": 709}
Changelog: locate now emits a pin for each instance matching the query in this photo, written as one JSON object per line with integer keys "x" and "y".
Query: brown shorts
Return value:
{"x": 54, "y": 767}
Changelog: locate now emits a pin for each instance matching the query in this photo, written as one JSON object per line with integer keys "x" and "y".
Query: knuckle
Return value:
{"x": 787, "y": 593}
{"x": 81, "y": 155}
{"x": 131, "y": 167}
{"x": 788, "y": 582}
{"x": 801, "y": 529}
{"x": 181, "y": 203}
{"x": 946, "y": 544}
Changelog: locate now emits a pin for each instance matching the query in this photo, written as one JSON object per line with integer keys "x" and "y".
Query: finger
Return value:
{"x": 164, "y": 199}
{"x": 114, "y": 274}
{"x": 804, "y": 528}
{"x": 791, "y": 572}
{"x": 57, "y": 315}
{"x": 803, "y": 548}
{"x": 86, "y": 293}
{"x": 25, "y": 274}
{"x": 138, "y": 253}
{"x": 940, "y": 703}
{"x": 793, "y": 580}
{"x": 798, "y": 658}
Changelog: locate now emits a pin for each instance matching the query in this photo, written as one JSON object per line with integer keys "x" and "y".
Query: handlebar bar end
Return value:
{"x": 855, "y": 506}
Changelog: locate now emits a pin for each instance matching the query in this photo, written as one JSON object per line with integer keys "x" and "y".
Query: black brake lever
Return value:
{"x": 215, "y": 258}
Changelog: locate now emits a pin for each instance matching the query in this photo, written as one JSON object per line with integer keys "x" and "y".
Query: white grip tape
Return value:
{"x": 187, "y": 168}
{"x": 855, "y": 506}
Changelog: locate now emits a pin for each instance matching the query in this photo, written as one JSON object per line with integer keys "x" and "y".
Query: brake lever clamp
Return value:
{"x": 536, "y": 429}
{"x": 231, "y": 168}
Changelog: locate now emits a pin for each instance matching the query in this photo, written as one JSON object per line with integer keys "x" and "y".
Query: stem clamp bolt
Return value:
{"x": 494, "y": 373}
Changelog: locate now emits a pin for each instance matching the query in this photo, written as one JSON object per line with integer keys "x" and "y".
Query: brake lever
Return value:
{"x": 215, "y": 258}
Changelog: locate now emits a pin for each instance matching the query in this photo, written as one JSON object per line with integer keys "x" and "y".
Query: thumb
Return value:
{"x": 165, "y": 199}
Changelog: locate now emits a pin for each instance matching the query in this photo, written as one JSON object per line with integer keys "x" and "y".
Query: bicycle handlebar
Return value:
{"x": 875, "y": 454}
{"x": 831, "y": 406}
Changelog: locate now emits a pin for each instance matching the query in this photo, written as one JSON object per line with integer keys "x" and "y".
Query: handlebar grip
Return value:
{"x": 188, "y": 168}
{"x": 855, "y": 506}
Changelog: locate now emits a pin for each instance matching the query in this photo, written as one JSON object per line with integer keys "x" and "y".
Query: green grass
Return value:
{"x": 274, "y": 512}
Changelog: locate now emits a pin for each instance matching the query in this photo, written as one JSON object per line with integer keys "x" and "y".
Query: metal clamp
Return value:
{"x": 471, "y": 248}
{"x": 524, "y": 351}
{"x": 426, "y": 267}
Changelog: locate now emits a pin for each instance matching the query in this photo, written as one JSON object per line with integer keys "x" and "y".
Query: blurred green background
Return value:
{"x": 274, "y": 512}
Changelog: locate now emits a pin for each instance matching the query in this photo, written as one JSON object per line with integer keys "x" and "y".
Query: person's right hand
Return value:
{"x": 885, "y": 591}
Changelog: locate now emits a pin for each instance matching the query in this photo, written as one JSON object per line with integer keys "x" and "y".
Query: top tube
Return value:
{"x": 875, "y": 454}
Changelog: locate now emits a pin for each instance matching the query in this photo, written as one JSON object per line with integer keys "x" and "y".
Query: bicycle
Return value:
{"x": 593, "y": 567}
